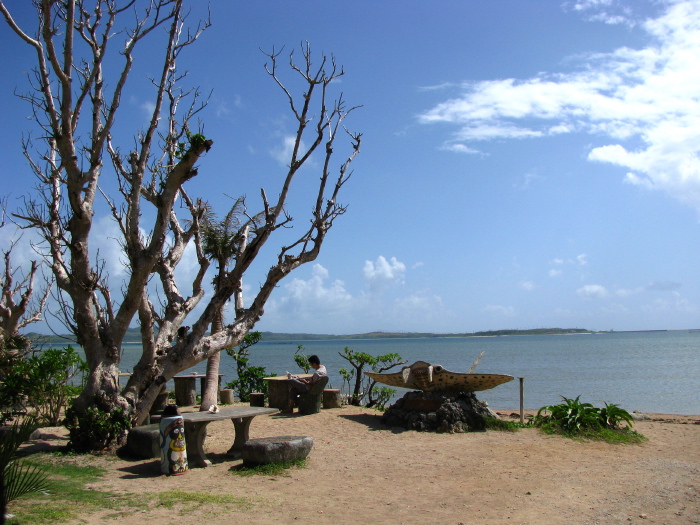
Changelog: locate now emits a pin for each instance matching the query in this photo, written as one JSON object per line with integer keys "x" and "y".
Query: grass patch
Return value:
{"x": 502, "y": 425}
{"x": 269, "y": 469}
{"x": 191, "y": 500}
{"x": 68, "y": 496}
{"x": 617, "y": 436}
{"x": 71, "y": 499}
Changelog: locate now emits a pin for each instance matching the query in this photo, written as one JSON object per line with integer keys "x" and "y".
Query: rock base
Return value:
{"x": 280, "y": 449}
{"x": 438, "y": 412}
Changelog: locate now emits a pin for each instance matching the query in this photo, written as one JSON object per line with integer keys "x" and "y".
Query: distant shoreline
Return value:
{"x": 134, "y": 335}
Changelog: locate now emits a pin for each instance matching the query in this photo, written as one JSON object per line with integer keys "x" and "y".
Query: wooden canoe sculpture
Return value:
{"x": 422, "y": 375}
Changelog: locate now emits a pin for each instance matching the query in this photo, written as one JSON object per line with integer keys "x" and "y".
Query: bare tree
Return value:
{"x": 76, "y": 111}
{"x": 17, "y": 307}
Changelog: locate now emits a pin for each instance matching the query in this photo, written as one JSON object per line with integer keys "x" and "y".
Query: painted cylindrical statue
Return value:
{"x": 173, "y": 455}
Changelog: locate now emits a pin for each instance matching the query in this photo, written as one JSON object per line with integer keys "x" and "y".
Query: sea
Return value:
{"x": 653, "y": 372}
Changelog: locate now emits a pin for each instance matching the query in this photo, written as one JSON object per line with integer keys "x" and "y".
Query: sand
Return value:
{"x": 360, "y": 471}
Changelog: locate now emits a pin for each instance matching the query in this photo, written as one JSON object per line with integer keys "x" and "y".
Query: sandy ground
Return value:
{"x": 360, "y": 471}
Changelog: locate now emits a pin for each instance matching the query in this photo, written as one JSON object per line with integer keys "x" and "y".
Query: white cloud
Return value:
{"x": 674, "y": 303}
{"x": 593, "y": 291}
{"x": 460, "y": 148}
{"x": 314, "y": 290}
{"x": 283, "y": 153}
{"x": 506, "y": 311}
{"x": 383, "y": 272}
{"x": 647, "y": 96}
{"x": 528, "y": 286}
{"x": 559, "y": 264}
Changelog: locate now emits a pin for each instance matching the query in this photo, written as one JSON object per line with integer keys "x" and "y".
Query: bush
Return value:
{"x": 250, "y": 378}
{"x": 95, "y": 429}
{"x": 42, "y": 382}
{"x": 576, "y": 419}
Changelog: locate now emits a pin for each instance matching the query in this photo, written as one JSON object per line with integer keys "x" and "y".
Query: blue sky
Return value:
{"x": 524, "y": 164}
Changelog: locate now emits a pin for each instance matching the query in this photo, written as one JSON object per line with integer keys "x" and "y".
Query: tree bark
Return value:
{"x": 211, "y": 381}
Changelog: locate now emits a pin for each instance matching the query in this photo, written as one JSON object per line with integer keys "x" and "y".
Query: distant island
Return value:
{"x": 133, "y": 335}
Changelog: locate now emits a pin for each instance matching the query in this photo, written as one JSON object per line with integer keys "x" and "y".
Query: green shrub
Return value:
{"x": 575, "y": 419}
{"x": 381, "y": 396}
{"x": 41, "y": 382}
{"x": 96, "y": 429}
{"x": 250, "y": 378}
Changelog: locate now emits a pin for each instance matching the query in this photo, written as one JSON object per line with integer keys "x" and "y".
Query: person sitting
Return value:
{"x": 301, "y": 385}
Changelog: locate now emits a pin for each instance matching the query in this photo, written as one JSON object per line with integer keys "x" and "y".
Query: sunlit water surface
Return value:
{"x": 656, "y": 372}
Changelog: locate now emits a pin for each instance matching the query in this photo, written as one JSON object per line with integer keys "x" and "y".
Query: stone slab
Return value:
{"x": 280, "y": 449}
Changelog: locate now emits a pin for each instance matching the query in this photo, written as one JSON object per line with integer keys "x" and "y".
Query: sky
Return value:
{"x": 523, "y": 165}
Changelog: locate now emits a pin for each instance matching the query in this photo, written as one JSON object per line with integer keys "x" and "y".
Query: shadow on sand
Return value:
{"x": 373, "y": 422}
{"x": 142, "y": 469}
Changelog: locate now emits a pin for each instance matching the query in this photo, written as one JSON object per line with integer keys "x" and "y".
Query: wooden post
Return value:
{"x": 522, "y": 401}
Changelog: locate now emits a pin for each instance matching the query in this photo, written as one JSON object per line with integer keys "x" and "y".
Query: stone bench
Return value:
{"x": 280, "y": 449}
{"x": 144, "y": 442}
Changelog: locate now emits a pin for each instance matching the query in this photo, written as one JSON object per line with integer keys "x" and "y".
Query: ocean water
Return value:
{"x": 656, "y": 372}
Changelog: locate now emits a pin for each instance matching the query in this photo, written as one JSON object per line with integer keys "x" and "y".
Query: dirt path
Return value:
{"x": 362, "y": 472}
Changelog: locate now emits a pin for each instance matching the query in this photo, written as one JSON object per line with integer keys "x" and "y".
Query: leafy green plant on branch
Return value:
{"x": 250, "y": 378}
{"x": 301, "y": 359}
{"x": 346, "y": 376}
{"x": 574, "y": 418}
{"x": 364, "y": 387}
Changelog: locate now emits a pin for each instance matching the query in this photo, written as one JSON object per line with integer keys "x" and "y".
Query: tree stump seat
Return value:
{"x": 280, "y": 449}
{"x": 310, "y": 402}
{"x": 257, "y": 399}
{"x": 144, "y": 442}
{"x": 226, "y": 396}
{"x": 331, "y": 398}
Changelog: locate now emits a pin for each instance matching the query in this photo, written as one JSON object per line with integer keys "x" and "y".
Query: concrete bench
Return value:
{"x": 280, "y": 449}
{"x": 144, "y": 441}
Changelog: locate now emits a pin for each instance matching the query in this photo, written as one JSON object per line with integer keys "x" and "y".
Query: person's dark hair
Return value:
{"x": 314, "y": 360}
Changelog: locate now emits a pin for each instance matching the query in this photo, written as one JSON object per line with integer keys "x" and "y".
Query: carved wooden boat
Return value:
{"x": 422, "y": 375}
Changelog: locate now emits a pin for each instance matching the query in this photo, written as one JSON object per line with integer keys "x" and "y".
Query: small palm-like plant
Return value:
{"x": 576, "y": 419}
{"x": 571, "y": 416}
{"x": 19, "y": 478}
{"x": 612, "y": 416}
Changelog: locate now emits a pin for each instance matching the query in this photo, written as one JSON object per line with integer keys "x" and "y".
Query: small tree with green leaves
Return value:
{"x": 301, "y": 359}
{"x": 250, "y": 378}
{"x": 346, "y": 376}
{"x": 359, "y": 362}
